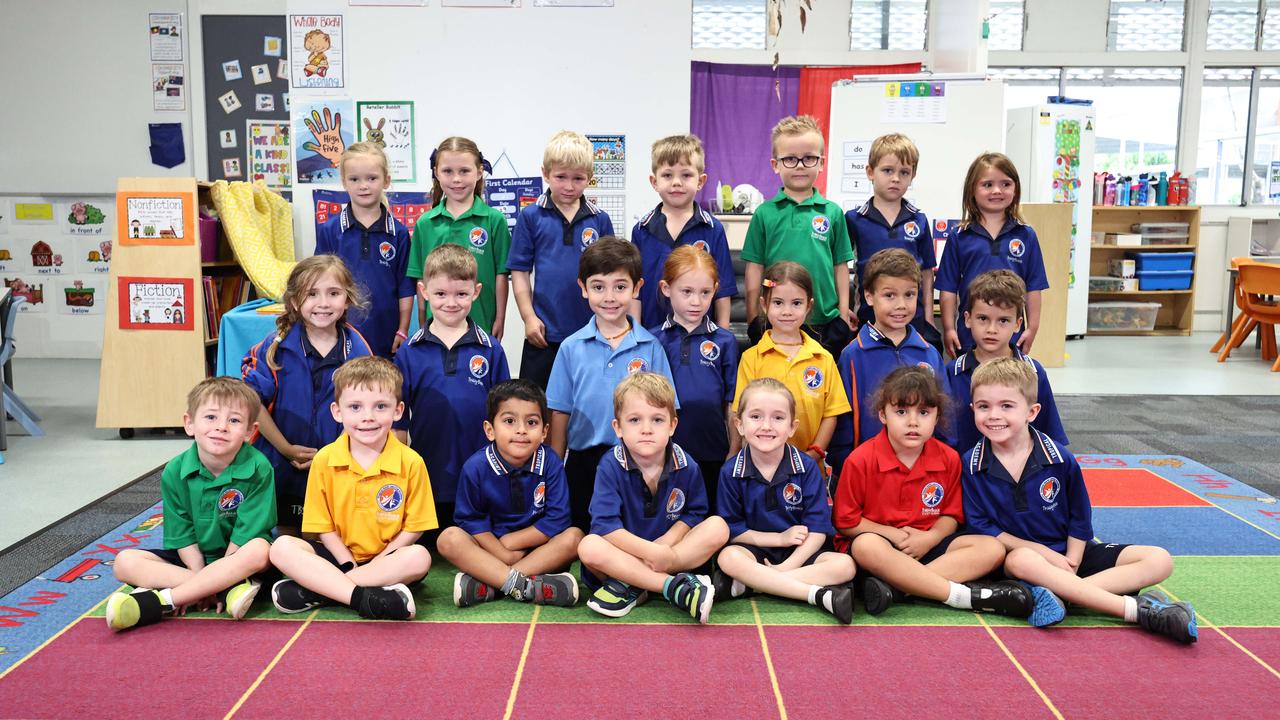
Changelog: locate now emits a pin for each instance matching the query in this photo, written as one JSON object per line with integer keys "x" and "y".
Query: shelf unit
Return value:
{"x": 1177, "y": 307}
{"x": 225, "y": 269}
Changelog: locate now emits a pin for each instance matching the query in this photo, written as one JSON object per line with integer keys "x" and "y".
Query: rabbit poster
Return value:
{"x": 390, "y": 124}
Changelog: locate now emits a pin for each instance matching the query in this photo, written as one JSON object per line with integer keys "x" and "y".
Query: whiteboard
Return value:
{"x": 862, "y": 110}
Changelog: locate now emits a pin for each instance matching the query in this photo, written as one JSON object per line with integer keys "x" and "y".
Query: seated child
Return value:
{"x": 898, "y": 506}
{"x": 1027, "y": 492}
{"x": 649, "y": 513}
{"x": 513, "y": 535}
{"x": 774, "y": 500}
{"x": 996, "y": 300}
{"x": 219, "y": 507}
{"x": 369, "y": 498}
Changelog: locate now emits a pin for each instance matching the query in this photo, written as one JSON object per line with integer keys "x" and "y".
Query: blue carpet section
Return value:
{"x": 1183, "y": 531}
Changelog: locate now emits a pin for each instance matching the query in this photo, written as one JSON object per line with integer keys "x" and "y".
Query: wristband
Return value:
{"x": 822, "y": 454}
{"x": 347, "y": 566}
{"x": 400, "y": 334}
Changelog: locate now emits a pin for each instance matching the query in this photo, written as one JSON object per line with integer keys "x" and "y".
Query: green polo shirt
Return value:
{"x": 480, "y": 229}
{"x": 235, "y": 507}
{"x": 812, "y": 233}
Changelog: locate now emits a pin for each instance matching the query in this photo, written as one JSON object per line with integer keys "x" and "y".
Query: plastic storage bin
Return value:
{"x": 1181, "y": 229}
{"x": 1107, "y": 283}
{"x": 1131, "y": 316}
{"x": 1162, "y": 260}
{"x": 1163, "y": 279}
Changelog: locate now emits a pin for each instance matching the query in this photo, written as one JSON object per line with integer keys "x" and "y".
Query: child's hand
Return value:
{"x": 917, "y": 542}
{"x": 395, "y": 344}
{"x": 300, "y": 456}
{"x": 1058, "y": 560}
{"x": 499, "y": 324}
{"x": 951, "y": 341}
{"x": 535, "y": 332}
{"x": 851, "y": 319}
{"x": 511, "y": 557}
{"x": 1028, "y": 337}
{"x": 794, "y": 535}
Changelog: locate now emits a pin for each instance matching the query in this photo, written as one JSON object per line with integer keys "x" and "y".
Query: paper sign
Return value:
{"x": 267, "y": 148}
{"x": 50, "y": 256}
{"x": 230, "y": 103}
{"x": 261, "y": 74}
{"x": 271, "y": 46}
{"x": 857, "y": 149}
{"x": 231, "y": 168}
{"x": 155, "y": 303}
{"x": 82, "y": 296}
{"x": 168, "y": 87}
{"x": 316, "y": 52}
{"x": 94, "y": 255}
{"x": 390, "y": 125}
{"x": 30, "y": 289}
{"x": 227, "y": 138}
{"x": 231, "y": 70}
{"x": 85, "y": 217}
{"x": 166, "y": 36}
{"x": 321, "y": 131}
{"x": 33, "y": 212}
{"x": 11, "y": 258}
{"x": 155, "y": 218}
{"x": 264, "y": 102}
{"x": 511, "y": 195}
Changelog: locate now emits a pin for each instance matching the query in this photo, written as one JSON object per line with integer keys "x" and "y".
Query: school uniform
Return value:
{"x": 811, "y": 376}
{"x": 962, "y": 433}
{"x": 211, "y": 513}
{"x": 549, "y": 245}
{"x": 655, "y": 243}
{"x": 870, "y": 232}
{"x": 484, "y": 233}
{"x": 795, "y": 495}
{"x": 973, "y": 251}
{"x": 378, "y": 257}
{"x": 496, "y": 497}
{"x": 446, "y": 390}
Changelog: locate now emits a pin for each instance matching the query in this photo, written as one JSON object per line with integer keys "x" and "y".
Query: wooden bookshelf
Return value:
{"x": 1177, "y": 307}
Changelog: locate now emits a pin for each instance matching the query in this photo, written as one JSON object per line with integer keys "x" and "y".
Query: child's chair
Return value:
{"x": 1240, "y": 317}
{"x": 1257, "y": 282}
{"x": 12, "y": 404}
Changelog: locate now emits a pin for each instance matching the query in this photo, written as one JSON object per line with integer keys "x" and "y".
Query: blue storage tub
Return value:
{"x": 1164, "y": 279}
{"x": 1163, "y": 260}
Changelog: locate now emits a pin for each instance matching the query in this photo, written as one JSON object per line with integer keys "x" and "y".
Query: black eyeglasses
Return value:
{"x": 791, "y": 161}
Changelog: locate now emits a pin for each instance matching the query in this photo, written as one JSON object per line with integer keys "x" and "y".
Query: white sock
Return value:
{"x": 739, "y": 588}
{"x": 1130, "y": 609}
{"x": 960, "y": 597}
{"x": 166, "y": 596}
{"x": 824, "y": 601}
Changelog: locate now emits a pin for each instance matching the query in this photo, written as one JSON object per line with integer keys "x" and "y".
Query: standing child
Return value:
{"x": 1029, "y": 494}
{"x": 549, "y": 238}
{"x": 513, "y": 535}
{"x": 785, "y": 353}
{"x": 650, "y": 529}
{"x": 459, "y": 216}
{"x": 703, "y": 359}
{"x": 898, "y": 507}
{"x": 448, "y": 368}
{"x": 219, "y": 507}
{"x": 369, "y": 499}
{"x": 799, "y": 224}
{"x": 678, "y": 176}
{"x": 992, "y": 237}
{"x": 292, "y": 371}
{"x": 374, "y": 245}
{"x": 775, "y": 502}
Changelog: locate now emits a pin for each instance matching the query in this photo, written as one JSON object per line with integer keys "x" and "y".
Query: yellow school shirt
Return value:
{"x": 368, "y": 508}
{"x": 810, "y": 376}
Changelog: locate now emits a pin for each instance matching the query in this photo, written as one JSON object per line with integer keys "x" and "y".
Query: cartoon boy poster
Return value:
{"x": 316, "y": 54}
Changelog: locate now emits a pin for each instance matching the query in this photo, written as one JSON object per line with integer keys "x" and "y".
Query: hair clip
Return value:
{"x": 433, "y": 158}
{"x": 769, "y": 283}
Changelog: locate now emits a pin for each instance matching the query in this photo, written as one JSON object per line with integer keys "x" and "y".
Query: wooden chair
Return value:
{"x": 1257, "y": 282}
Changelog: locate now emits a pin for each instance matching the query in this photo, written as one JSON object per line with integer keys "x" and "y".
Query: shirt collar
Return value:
{"x": 474, "y": 335}
{"x": 389, "y": 461}
{"x": 240, "y": 468}
{"x": 1009, "y": 225}
{"x": 309, "y": 350}
{"x": 782, "y": 199}
{"x": 968, "y": 362}
{"x": 585, "y": 207}
{"x": 930, "y": 460}
{"x": 348, "y": 220}
{"x": 1044, "y": 452}
{"x": 438, "y": 210}
{"x": 905, "y": 212}
{"x": 792, "y": 463}
{"x": 656, "y": 222}
{"x": 706, "y": 327}
{"x": 537, "y": 464}
{"x": 876, "y": 338}
{"x": 676, "y": 459}
{"x": 809, "y": 348}
{"x": 630, "y": 340}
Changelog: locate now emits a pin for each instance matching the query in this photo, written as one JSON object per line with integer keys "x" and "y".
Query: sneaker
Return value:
{"x": 240, "y": 597}
{"x": 878, "y": 595}
{"x": 393, "y": 602}
{"x": 289, "y": 597}
{"x": 1158, "y": 614}
{"x": 1047, "y": 608}
{"x": 693, "y": 594}
{"x": 837, "y": 600}
{"x": 559, "y": 589}
{"x": 1003, "y": 597}
{"x": 616, "y": 599}
{"x": 130, "y": 610}
{"x": 468, "y": 591}
{"x": 722, "y": 583}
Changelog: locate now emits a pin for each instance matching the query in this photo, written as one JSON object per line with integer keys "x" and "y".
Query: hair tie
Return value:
{"x": 769, "y": 283}
{"x": 433, "y": 158}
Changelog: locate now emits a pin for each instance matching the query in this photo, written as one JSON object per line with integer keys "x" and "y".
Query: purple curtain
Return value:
{"x": 732, "y": 109}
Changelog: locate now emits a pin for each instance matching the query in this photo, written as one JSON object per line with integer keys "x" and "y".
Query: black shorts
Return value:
{"x": 779, "y": 555}
{"x": 580, "y": 474}
{"x": 536, "y": 362}
{"x": 323, "y": 552}
{"x": 934, "y": 553}
{"x": 1098, "y": 557}
{"x": 289, "y": 510}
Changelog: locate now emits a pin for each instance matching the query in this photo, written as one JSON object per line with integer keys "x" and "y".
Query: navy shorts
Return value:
{"x": 1098, "y": 557}
{"x": 594, "y": 582}
{"x": 173, "y": 558}
{"x": 935, "y": 552}
{"x": 779, "y": 555}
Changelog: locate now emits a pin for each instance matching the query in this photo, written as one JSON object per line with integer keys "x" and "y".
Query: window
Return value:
{"x": 1271, "y": 25}
{"x": 1006, "y": 25}
{"x": 888, "y": 24}
{"x": 1145, "y": 25}
{"x": 1224, "y": 116}
{"x": 729, "y": 24}
{"x": 1137, "y": 113}
{"x": 1025, "y": 86}
{"x": 1265, "y": 181}
{"x": 1233, "y": 25}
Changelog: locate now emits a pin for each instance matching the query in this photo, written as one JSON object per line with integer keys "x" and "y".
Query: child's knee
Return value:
{"x": 1159, "y": 563}
{"x": 593, "y": 550}
{"x": 734, "y": 558}
{"x": 571, "y": 537}
{"x": 416, "y": 559}
{"x": 716, "y": 528}
{"x": 1020, "y": 561}
{"x": 257, "y": 555}
{"x": 285, "y": 547}
{"x": 451, "y": 541}
{"x": 869, "y": 546}
{"x": 125, "y": 563}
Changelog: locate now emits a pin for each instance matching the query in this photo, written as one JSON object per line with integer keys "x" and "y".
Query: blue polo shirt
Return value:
{"x": 495, "y": 497}
{"x": 587, "y": 370}
{"x": 864, "y": 364}
{"x": 650, "y": 235}
{"x": 445, "y": 394}
{"x": 795, "y": 495}
{"x": 963, "y": 432}
{"x": 973, "y": 251}
{"x": 870, "y": 232}
{"x": 549, "y": 245}
{"x": 704, "y": 369}
{"x": 622, "y": 500}
{"x": 1048, "y": 504}
{"x": 379, "y": 258}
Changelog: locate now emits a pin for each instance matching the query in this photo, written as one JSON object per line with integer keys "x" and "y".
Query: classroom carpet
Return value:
{"x": 759, "y": 658}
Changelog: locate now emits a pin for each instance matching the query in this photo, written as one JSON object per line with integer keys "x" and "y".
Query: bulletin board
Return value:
{"x": 242, "y": 39}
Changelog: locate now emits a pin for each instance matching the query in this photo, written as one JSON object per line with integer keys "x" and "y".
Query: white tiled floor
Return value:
{"x": 1161, "y": 365}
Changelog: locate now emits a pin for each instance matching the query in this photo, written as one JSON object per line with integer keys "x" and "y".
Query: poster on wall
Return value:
{"x": 406, "y": 206}
{"x": 11, "y": 259}
{"x": 168, "y": 87}
{"x": 267, "y": 146}
{"x": 148, "y": 303}
{"x": 93, "y": 255}
{"x": 166, "y": 34}
{"x": 390, "y": 125}
{"x": 52, "y": 255}
{"x": 81, "y": 296}
{"x": 316, "y": 53}
{"x": 511, "y": 195}
{"x": 322, "y": 129}
{"x": 87, "y": 216}
{"x": 30, "y": 289}
{"x": 4, "y": 218}
{"x": 608, "y": 185}
{"x": 32, "y": 212}
{"x": 157, "y": 218}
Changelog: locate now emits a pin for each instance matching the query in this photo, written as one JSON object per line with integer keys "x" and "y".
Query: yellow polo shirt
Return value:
{"x": 368, "y": 508}
{"x": 810, "y": 376}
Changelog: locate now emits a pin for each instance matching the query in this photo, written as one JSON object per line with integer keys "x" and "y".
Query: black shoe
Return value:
{"x": 839, "y": 598}
{"x": 723, "y": 584}
{"x": 1004, "y": 597}
{"x": 290, "y": 597}
{"x": 393, "y": 602}
{"x": 1158, "y": 614}
{"x": 879, "y": 595}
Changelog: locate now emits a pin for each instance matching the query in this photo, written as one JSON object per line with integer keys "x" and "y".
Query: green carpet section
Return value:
{"x": 1229, "y": 591}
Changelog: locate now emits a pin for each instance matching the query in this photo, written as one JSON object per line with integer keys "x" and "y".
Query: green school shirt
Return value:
{"x": 812, "y": 233}
{"x": 480, "y": 229}
{"x": 235, "y": 507}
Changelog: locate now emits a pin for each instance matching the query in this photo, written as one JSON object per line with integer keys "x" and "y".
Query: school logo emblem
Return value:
{"x": 911, "y": 229}
{"x": 932, "y": 494}
{"x": 390, "y": 497}
{"x": 702, "y": 245}
{"x": 637, "y": 365}
{"x": 589, "y": 237}
{"x": 478, "y": 237}
{"x": 821, "y": 224}
{"x": 540, "y": 495}
{"x": 387, "y": 250}
{"x": 1017, "y": 247}
{"x": 230, "y": 499}
{"x": 792, "y": 495}
{"x": 925, "y": 365}
{"x": 479, "y": 366}
{"x": 675, "y": 501}
{"x": 1049, "y": 489}
{"x": 709, "y": 350}
{"x": 812, "y": 377}
{"x": 940, "y": 226}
